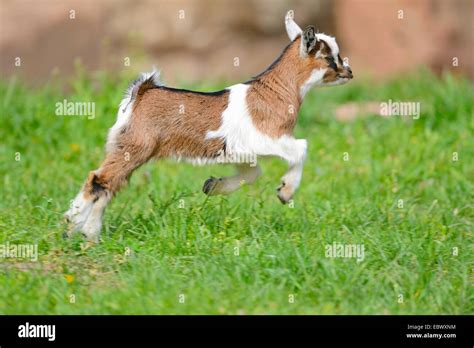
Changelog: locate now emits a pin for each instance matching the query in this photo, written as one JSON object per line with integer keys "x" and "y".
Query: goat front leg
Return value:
{"x": 246, "y": 174}
{"x": 292, "y": 178}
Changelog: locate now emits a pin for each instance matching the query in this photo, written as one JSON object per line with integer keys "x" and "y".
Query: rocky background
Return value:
{"x": 190, "y": 40}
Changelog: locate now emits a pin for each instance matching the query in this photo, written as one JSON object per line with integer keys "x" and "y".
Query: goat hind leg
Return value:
{"x": 87, "y": 209}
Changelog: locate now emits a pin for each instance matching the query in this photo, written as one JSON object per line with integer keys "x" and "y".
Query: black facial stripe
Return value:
{"x": 331, "y": 62}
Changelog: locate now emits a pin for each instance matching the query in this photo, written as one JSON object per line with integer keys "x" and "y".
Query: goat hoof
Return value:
{"x": 284, "y": 193}
{"x": 209, "y": 185}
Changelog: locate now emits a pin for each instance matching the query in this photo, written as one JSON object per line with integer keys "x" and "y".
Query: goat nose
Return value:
{"x": 349, "y": 70}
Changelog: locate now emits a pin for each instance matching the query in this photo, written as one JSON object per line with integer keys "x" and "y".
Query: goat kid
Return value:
{"x": 246, "y": 120}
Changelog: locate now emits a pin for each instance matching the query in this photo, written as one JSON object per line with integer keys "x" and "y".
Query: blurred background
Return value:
{"x": 191, "y": 40}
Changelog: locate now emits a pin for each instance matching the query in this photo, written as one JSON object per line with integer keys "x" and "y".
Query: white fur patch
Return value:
{"x": 126, "y": 107}
{"x": 292, "y": 29}
{"x": 338, "y": 82}
{"x": 315, "y": 78}
{"x": 79, "y": 211}
{"x": 293, "y": 175}
{"x": 331, "y": 43}
{"x": 242, "y": 137}
{"x": 123, "y": 116}
{"x": 93, "y": 224}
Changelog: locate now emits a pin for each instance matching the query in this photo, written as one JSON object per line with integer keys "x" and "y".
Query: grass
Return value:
{"x": 247, "y": 253}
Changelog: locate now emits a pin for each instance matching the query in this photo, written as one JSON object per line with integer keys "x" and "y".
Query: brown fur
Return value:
{"x": 178, "y": 121}
{"x": 157, "y": 127}
{"x": 164, "y": 123}
{"x": 168, "y": 122}
{"x": 276, "y": 92}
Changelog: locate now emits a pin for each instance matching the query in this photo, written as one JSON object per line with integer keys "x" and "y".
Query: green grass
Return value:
{"x": 191, "y": 250}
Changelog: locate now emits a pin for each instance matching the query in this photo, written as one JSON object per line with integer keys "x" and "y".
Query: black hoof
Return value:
{"x": 282, "y": 200}
{"x": 209, "y": 185}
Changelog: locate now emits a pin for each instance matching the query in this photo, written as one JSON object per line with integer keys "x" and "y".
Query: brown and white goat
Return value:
{"x": 255, "y": 118}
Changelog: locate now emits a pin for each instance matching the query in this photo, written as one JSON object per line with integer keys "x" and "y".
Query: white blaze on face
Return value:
{"x": 345, "y": 64}
{"x": 331, "y": 43}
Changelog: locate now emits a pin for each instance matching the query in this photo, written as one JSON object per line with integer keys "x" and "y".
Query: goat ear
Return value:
{"x": 292, "y": 29}
{"x": 309, "y": 41}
